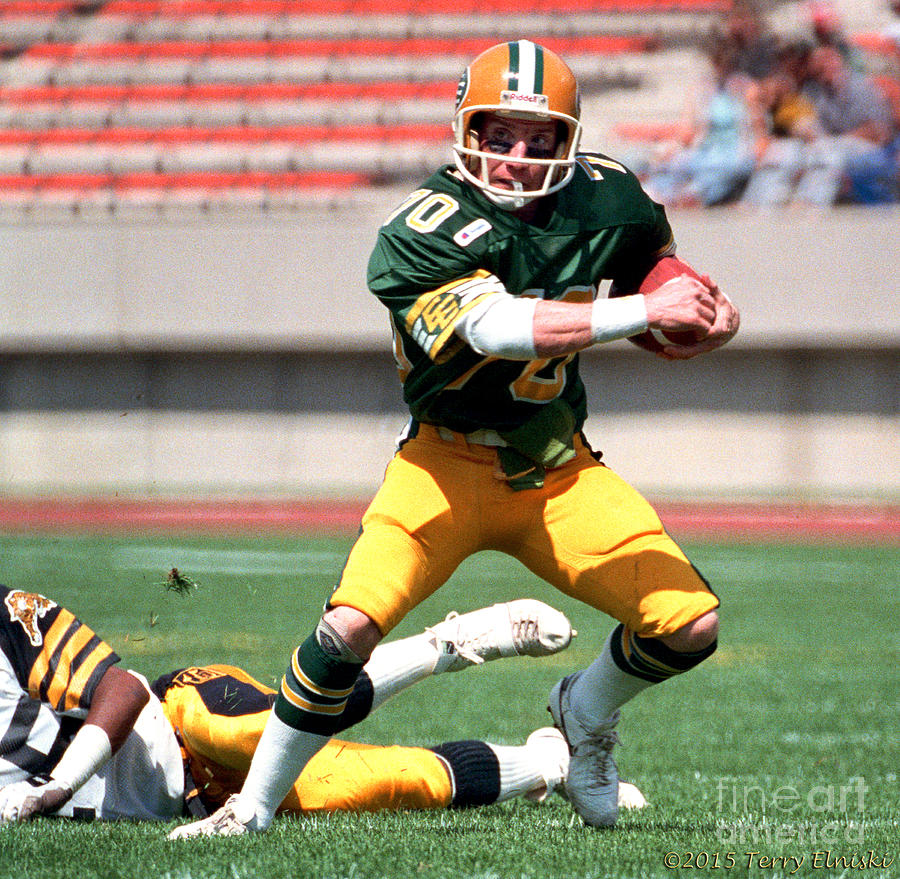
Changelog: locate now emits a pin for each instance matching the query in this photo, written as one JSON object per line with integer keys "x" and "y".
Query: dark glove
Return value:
{"x": 38, "y": 795}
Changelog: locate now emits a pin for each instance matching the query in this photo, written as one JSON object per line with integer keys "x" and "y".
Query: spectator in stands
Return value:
{"x": 789, "y": 112}
{"x": 889, "y": 83}
{"x": 892, "y": 31}
{"x": 828, "y": 30}
{"x": 718, "y": 157}
{"x": 787, "y": 121}
{"x": 849, "y": 155}
{"x": 754, "y": 48}
{"x": 857, "y": 122}
{"x": 888, "y": 80}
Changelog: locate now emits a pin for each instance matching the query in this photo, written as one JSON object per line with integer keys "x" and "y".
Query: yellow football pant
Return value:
{"x": 587, "y": 532}
{"x": 219, "y": 712}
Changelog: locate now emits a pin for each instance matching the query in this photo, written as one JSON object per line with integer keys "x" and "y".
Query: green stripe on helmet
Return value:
{"x": 538, "y": 70}
{"x": 513, "y": 82}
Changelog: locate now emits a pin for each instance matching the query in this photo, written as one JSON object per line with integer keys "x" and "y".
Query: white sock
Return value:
{"x": 603, "y": 688}
{"x": 394, "y": 666}
{"x": 279, "y": 759}
{"x": 519, "y": 771}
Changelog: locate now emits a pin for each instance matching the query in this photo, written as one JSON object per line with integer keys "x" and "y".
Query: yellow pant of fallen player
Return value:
{"x": 587, "y": 532}
{"x": 219, "y": 712}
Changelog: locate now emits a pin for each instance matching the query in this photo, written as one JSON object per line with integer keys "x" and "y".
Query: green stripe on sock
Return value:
{"x": 325, "y": 671}
{"x": 305, "y": 721}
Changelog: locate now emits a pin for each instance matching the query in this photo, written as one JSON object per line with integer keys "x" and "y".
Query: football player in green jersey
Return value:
{"x": 489, "y": 272}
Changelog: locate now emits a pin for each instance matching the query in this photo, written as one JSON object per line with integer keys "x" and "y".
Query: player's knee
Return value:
{"x": 699, "y": 635}
{"x": 706, "y": 631}
{"x": 349, "y": 632}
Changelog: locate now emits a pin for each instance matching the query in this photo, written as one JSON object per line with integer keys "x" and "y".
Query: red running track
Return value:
{"x": 700, "y": 520}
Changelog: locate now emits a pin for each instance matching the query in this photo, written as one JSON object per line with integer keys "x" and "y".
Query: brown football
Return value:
{"x": 667, "y": 268}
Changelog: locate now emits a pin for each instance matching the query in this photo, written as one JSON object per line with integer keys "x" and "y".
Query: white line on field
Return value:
{"x": 225, "y": 561}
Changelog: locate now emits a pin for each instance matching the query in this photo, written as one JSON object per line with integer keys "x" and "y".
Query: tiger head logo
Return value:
{"x": 27, "y": 608}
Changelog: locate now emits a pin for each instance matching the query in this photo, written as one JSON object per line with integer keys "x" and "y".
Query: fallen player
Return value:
{"x": 83, "y": 738}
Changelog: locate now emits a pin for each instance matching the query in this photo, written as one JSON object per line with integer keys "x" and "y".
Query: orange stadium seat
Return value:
{"x": 160, "y": 180}
{"x": 247, "y": 92}
{"x": 38, "y": 8}
{"x": 876, "y": 44}
{"x": 148, "y": 52}
{"x": 393, "y": 7}
{"x": 260, "y": 93}
{"x": 225, "y": 134}
{"x": 650, "y": 132}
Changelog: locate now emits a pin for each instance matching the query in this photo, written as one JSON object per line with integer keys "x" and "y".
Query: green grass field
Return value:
{"x": 749, "y": 761}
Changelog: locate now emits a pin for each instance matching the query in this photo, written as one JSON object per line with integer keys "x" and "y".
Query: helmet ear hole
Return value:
{"x": 563, "y": 140}
{"x": 474, "y": 126}
{"x": 562, "y": 133}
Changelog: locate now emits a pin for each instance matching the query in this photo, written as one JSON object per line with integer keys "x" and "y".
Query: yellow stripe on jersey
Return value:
{"x": 434, "y": 315}
{"x": 625, "y": 638}
{"x": 83, "y": 674}
{"x": 668, "y": 250}
{"x": 53, "y": 678}
{"x": 52, "y": 640}
{"x": 57, "y": 691}
{"x": 306, "y": 682}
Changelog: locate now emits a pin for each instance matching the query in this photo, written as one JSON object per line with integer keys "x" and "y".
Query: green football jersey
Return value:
{"x": 443, "y": 249}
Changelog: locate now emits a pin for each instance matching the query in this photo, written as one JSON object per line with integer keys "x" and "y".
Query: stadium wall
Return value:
{"x": 240, "y": 354}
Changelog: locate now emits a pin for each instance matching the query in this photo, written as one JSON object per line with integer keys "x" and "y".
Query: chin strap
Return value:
{"x": 508, "y": 202}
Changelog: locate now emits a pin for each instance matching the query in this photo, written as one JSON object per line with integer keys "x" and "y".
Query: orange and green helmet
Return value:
{"x": 526, "y": 81}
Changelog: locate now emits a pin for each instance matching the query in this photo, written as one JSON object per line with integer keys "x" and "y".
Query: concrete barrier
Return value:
{"x": 150, "y": 355}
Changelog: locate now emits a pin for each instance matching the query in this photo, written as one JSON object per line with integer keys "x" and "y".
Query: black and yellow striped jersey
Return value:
{"x": 50, "y": 664}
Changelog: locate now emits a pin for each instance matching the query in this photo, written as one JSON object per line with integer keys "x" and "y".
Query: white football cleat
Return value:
{"x": 233, "y": 819}
{"x": 525, "y": 627}
{"x": 592, "y": 783}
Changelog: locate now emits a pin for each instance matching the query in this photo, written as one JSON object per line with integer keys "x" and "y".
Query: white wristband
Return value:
{"x": 87, "y": 753}
{"x": 618, "y": 318}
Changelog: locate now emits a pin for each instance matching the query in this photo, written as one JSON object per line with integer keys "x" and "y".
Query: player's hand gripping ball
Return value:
{"x": 666, "y": 269}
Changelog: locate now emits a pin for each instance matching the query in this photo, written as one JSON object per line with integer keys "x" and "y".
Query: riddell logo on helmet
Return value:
{"x": 526, "y": 99}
